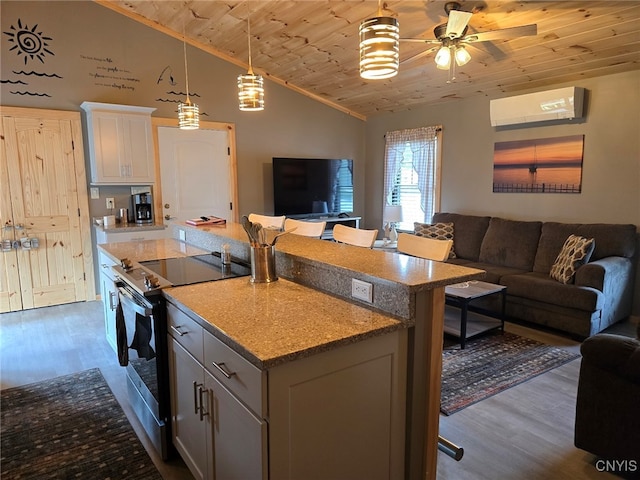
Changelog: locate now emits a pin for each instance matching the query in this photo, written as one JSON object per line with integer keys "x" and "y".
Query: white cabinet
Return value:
{"x": 217, "y": 435}
{"x": 192, "y": 434}
{"x": 120, "y": 144}
{"x": 109, "y": 295}
{"x": 336, "y": 414}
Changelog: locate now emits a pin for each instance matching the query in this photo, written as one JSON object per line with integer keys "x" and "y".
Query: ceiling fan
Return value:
{"x": 452, "y": 38}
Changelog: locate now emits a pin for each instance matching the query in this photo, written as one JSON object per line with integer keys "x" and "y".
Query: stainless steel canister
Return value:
{"x": 124, "y": 215}
{"x": 263, "y": 264}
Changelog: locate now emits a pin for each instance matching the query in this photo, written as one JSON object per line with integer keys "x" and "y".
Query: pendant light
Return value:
{"x": 250, "y": 86}
{"x": 379, "y": 47}
{"x": 188, "y": 113}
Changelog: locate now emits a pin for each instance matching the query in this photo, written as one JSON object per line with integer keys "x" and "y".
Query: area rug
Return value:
{"x": 491, "y": 364}
{"x": 69, "y": 427}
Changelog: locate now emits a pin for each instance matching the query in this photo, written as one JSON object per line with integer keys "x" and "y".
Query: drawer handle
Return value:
{"x": 196, "y": 385}
{"x": 221, "y": 369}
{"x": 201, "y": 392}
{"x": 175, "y": 329}
{"x": 112, "y": 307}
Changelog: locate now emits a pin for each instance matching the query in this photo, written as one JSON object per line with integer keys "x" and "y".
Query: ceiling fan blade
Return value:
{"x": 513, "y": 32}
{"x": 458, "y": 21}
{"x": 418, "y": 56}
{"x": 428, "y": 41}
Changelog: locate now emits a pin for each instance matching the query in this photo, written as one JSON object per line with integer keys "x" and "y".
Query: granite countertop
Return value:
{"x": 274, "y": 323}
{"x": 149, "y": 250}
{"x": 412, "y": 272}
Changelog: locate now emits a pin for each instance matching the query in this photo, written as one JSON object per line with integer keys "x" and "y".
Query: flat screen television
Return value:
{"x": 312, "y": 187}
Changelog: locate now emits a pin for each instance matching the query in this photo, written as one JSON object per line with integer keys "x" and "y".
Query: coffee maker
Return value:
{"x": 142, "y": 208}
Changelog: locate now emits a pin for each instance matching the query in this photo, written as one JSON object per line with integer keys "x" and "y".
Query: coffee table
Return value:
{"x": 461, "y": 295}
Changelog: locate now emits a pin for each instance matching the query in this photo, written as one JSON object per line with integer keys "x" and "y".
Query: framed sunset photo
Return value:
{"x": 543, "y": 165}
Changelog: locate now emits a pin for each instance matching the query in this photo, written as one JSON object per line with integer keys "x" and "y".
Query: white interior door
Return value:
{"x": 197, "y": 175}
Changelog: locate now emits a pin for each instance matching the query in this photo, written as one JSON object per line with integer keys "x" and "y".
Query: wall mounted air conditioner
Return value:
{"x": 562, "y": 103}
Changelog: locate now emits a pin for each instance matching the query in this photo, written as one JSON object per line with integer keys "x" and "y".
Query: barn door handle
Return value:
{"x": 29, "y": 243}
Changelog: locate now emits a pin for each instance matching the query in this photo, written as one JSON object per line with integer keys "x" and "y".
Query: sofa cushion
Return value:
{"x": 541, "y": 288}
{"x": 439, "y": 231}
{"x": 575, "y": 252}
{"x": 616, "y": 240}
{"x": 469, "y": 231}
{"x": 493, "y": 273}
{"x": 510, "y": 243}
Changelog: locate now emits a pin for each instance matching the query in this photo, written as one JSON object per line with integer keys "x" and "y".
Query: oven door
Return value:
{"x": 146, "y": 380}
{"x": 137, "y": 313}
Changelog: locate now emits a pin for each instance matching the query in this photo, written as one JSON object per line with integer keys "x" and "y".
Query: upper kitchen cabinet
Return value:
{"x": 120, "y": 144}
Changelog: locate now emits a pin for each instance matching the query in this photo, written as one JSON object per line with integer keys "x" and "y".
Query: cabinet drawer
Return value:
{"x": 186, "y": 331}
{"x": 234, "y": 372}
{"x": 105, "y": 263}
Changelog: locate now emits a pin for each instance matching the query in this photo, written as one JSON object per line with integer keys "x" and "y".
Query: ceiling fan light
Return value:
{"x": 379, "y": 48}
{"x": 443, "y": 58}
{"x": 250, "y": 92}
{"x": 462, "y": 56}
{"x": 188, "y": 115}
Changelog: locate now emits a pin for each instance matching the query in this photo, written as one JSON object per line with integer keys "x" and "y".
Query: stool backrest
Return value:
{"x": 354, "y": 236}
{"x": 424, "y": 247}
{"x": 305, "y": 228}
{"x": 266, "y": 221}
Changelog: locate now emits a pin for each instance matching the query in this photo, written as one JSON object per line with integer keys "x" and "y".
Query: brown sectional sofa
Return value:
{"x": 519, "y": 255}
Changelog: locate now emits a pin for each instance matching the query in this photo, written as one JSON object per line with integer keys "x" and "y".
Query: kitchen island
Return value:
{"x": 406, "y": 311}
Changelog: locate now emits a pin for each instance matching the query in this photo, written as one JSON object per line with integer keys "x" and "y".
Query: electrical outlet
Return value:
{"x": 111, "y": 204}
{"x": 183, "y": 235}
{"x": 361, "y": 290}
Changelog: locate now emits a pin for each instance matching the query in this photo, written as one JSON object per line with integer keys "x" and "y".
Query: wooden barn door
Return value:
{"x": 43, "y": 171}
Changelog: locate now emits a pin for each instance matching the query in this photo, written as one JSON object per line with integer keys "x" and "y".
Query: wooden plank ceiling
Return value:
{"x": 312, "y": 46}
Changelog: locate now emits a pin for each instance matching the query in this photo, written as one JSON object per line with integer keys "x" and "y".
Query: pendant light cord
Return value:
{"x": 186, "y": 71}
{"x": 249, "y": 38}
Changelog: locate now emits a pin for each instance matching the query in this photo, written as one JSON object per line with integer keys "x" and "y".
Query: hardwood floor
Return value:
{"x": 52, "y": 341}
{"x": 523, "y": 432}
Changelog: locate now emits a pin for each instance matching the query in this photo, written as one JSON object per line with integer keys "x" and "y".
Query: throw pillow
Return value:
{"x": 439, "y": 231}
{"x": 575, "y": 252}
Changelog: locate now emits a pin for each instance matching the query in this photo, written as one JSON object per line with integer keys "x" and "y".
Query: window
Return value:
{"x": 412, "y": 173}
{"x": 345, "y": 187}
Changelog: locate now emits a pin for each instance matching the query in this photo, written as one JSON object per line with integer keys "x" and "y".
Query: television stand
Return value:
{"x": 332, "y": 222}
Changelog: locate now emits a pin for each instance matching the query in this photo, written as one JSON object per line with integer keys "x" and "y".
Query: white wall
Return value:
{"x": 611, "y": 166}
{"x": 86, "y": 39}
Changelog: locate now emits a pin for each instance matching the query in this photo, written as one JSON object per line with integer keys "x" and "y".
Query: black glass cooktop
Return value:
{"x": 196, "y": 269}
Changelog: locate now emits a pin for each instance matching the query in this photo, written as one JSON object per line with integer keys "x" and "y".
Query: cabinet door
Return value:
{"x": 138, "y": 147}
{"x": 45, "y": 179}
{"x": 108, "y": 156}
{"x": 191, "y": 435}
{"x": 120, "y": 147}
{"x": 109, "y": 294}
{"x": 240, "y": 438}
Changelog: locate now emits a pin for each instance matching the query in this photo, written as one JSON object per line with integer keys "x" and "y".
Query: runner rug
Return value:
{"x": 491, "y": 364}
{"x": 69, "y": 427}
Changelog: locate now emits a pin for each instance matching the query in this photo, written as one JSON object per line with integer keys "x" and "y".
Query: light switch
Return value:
{"x": 95, "y": 193}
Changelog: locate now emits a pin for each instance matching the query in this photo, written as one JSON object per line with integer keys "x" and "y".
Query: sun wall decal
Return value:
{"x": 28, "y": 42}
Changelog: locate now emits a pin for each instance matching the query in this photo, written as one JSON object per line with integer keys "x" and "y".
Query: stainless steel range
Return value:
{"x": 141, "y": 328}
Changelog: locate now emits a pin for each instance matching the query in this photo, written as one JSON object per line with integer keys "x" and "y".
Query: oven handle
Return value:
{"x": 143, "y": 310}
